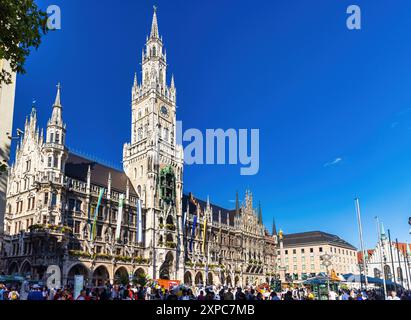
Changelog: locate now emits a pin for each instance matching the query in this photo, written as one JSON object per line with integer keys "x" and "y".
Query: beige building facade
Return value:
{"x": 7, "y": 92}
{"x": 300, "y": 255}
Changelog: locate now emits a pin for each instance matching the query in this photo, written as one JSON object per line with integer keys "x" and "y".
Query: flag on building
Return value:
{"x": 382, "y": 231}
{"x": 94, "y": 227}
{"x": 119, "y": 216}
{"x": 204, "y": 234}
{"x": 139, "y": 222}
{"x": 193, "y": 231}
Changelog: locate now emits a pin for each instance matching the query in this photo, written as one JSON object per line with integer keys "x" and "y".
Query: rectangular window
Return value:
{"x": 57, "y": 137}
{"x": 100, "y": 213}
{"x": 71, "y": 204}
{"x": 78, "y": 205}
{"x": 55, "y": 164}
{"x": 77, "y": 227}
{"x": 49, "y": 161}
{"x": 53, "y": 199}
{"x": 99, "y": 230}
{"x": 312, "y": 267}
{"x": 311, "y": 250}
{"x": 320, "y": 249}
{"x": 286, "y": 251}
{"x": 294, "y": 251}
{"x": 302, "y": 250}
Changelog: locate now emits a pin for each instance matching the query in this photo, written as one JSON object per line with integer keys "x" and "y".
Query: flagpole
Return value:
{"x": 407, "y": 266}
{"x": 392, "y": 260}
{"x": 381, "y": 257}
{"x": 357, "y": 206}
{"x": 399, "y": 262}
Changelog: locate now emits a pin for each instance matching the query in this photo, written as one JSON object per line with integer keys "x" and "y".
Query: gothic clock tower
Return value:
{"x": 154, "y": 162}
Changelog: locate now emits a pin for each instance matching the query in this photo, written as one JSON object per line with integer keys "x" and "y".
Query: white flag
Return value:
{"x": 139, "y": 223}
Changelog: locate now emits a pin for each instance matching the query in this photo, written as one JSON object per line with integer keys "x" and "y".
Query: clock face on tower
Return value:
{"x": 164, "y": 111}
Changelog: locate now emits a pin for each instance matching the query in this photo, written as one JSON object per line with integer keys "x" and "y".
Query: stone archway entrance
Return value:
{"x": 25, "y": 269}
{"x": 13, "y": 268}
{"x": 166, "y": 267}
{"x": 199, "y": 279}
{"x": 77, "y": 269}
{"x": 210, "y": 278}
{"x": 121, "y": 276}
{"x": 140, "y": 277}
{"x": 188, "y": 279}
{"x": 101, "y": 276}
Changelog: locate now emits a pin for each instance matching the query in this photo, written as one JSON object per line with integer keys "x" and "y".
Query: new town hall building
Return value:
{"x": 53, "y": 193}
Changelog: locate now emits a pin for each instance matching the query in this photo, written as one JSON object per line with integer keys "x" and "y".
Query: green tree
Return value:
{"x": 22, "y": 24}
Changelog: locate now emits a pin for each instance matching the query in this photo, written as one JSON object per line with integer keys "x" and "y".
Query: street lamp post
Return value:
{"x": 364, "y": 265}
{"x": 382, "y": 255}
{"x": 326, "y": 261}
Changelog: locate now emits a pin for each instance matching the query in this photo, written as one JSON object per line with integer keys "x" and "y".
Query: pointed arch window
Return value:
{"x": 399, "y": 273}
{"x": 387, "y": 272}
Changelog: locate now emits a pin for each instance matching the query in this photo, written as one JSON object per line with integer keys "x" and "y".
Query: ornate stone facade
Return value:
{"x": 52, "y": 199}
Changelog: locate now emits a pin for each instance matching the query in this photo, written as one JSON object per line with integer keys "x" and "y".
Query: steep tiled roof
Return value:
{"x": 216, "y": 209}
{"x": 315, "y": 237}
{"x": 77, "y": 167}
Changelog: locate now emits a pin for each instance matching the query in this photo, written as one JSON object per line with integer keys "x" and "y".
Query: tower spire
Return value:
{"x": 57, "y": 102}
{"x": 260, "y": 214}
{"x": 154, "y": 24}
{"x": 56, "y": 117}
{"x": 274, "y": 228}
{"x": 237, "y": 205}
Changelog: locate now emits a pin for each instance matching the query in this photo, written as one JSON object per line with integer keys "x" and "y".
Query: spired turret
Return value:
{"x": 54, "y": 149}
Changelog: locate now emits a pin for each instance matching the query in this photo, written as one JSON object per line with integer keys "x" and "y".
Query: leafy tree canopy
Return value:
{"x": 22, "y": 25}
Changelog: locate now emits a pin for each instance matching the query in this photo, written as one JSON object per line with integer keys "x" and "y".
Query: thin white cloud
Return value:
{"x": 333, "y": 163}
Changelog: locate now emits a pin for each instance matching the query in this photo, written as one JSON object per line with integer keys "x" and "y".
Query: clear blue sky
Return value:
{"x": 316, "y": 91}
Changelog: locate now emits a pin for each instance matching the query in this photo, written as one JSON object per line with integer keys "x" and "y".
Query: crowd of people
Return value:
{"x": 137, "y": 292}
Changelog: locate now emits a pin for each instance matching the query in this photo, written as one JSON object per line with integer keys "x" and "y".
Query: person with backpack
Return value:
{"x": 13, "y": 294}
